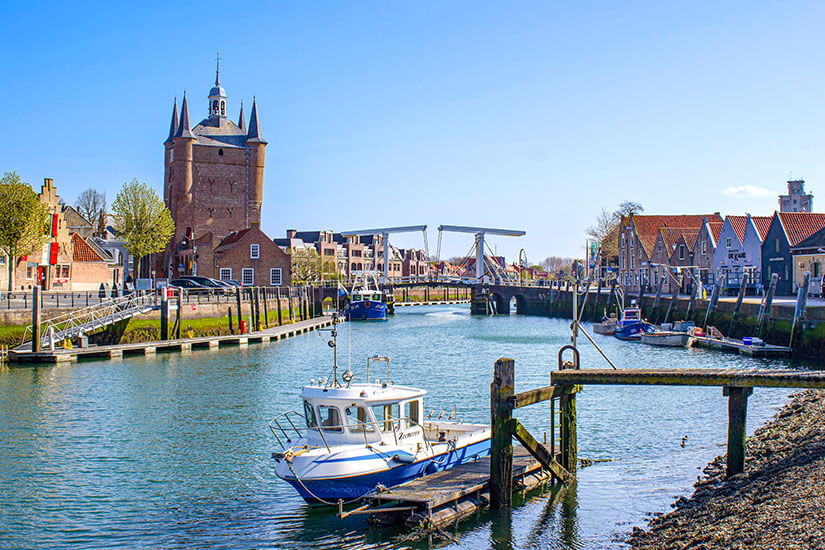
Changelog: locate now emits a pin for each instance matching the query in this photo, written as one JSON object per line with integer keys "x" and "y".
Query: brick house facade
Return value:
{"x": 251, "y": 257}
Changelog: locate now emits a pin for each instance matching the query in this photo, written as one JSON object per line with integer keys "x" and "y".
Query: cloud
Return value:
{"x": 748, "y": 192}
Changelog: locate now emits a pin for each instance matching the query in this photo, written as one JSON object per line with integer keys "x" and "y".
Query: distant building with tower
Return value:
{"x": 213, "y": 181}
{"x": 796, "y": 200}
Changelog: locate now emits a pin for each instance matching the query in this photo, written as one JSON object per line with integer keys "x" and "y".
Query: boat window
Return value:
{"x": 385, "y": 415}
{"x": 357, "y": 421}
{"x": 309, "y": 413}
{"x": 330, "y": 419}
{"x": 376, "y": 297}
{"x": 411, "y": 412}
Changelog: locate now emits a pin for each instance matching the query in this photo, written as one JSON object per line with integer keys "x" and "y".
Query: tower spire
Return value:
{"x": 254, "y": 134}
{"x": 218, "y": 69}
{"x": 173, "y": 127}
{"x": 184, "y": 130}
{"x": 241, "y": 120}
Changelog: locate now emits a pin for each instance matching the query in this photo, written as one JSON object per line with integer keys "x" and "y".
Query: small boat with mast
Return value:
{"x": 367, "y": 301}
{"x": 353, "y": 438}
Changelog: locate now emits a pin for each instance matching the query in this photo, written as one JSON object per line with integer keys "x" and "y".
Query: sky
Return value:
{"x": 518, "y": 115}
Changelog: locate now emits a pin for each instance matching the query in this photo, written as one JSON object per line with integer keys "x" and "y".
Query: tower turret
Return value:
{"x": 217, "y": 95}
{"x": 184, "y": 139}
{"x": 257, "y": 146}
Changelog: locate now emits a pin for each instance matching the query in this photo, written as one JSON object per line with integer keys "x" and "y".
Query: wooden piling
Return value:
{"x": 765, "y": 306}
{"x": 35, "y": 318}
{"x": 238, "y": 306}
{"x": 670, "y": 304}
{"x": 501, "y": 439}
{"x": 737, "y": 414}
{"x": 739, "y": 299}
{"x": 256, "y": 291}
{"x": 164, "y": 314}
{"x": 266, "y": 307}
{"x": 278, "y": 303}
{"x": 714, "y": 299}
{"x": 611, "y": 297}
{"x": 567, "y": 424}
{"x": 229, "y": 314}
{"x": 692, "y": 301}
{"x": 801, "y": 306}
{"x": 180, "y": 313}
{"x": 657, "y": 298}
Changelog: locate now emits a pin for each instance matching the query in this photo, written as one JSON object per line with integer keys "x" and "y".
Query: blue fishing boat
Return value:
{"x": 367, "y": 302}
{"x": 631, "y": 325}
{"x": 354, "y": 438}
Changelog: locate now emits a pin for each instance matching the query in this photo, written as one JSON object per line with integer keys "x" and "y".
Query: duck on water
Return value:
{"x": 352, "y": 438}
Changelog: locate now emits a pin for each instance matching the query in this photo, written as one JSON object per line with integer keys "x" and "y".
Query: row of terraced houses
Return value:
{"x": 684, "y": 251}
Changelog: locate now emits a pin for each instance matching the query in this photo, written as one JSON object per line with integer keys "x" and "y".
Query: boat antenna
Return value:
{"x": 334, "y": 345}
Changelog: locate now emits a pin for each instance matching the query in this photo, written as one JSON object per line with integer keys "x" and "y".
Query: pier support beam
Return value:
{"x": 737, "y": 413}
{"x": 501, "y": 440}
{"x": 568, "y": 436}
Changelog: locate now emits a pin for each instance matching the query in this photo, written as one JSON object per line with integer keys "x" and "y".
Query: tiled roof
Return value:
{"x": 647, "y": 226}
{"x": 219, "y": 131}
{"x": 82, "y": 251}
{"x": 738, "y": 223}
{"x": 762, "y": 223}
{"x": 670, "y": 235}
{"x": 230, "y": 240}
{"x": 815, "y": 241}
{"x": 800, "y": 225}
{"x": 716, "y": 230}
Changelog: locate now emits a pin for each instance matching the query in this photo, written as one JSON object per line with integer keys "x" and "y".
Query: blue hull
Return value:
{"x": 633, "y": 331}
{"x": 366, "y": 310}
{"x": 357, "y": 486}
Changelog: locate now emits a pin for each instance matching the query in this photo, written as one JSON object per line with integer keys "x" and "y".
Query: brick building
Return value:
{"x": 213, "y": 177}
{"x": 250, "y": 256}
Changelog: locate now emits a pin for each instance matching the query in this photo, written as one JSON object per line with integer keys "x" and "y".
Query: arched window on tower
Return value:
{"x": 215, "y": 107}
{"x": 223, "y": 108}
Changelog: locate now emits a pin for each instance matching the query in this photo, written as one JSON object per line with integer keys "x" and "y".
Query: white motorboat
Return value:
{"x": 670, "y": 338}
{"x": 354, "y": 438}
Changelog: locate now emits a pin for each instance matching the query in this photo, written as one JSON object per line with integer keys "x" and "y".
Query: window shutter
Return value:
{"x": 54, "y": 248}
{"x": 54, "y": 225}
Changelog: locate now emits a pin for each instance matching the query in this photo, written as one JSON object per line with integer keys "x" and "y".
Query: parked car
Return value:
{"x": 216, "y": 286}
{"x": 233, "y": 282}
{"x": 190, "y": 286}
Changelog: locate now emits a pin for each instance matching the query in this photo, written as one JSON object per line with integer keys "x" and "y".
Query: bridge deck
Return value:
{"x": 772, "y": 378}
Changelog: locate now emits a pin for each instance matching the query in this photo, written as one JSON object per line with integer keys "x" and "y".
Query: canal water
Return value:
{"x": 174, "y": 451}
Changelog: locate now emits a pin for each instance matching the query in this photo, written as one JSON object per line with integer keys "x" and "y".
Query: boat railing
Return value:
{"x": 285, "y": 423}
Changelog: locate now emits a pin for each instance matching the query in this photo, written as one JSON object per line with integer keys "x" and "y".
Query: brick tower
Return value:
{"x": 214, "y": 176}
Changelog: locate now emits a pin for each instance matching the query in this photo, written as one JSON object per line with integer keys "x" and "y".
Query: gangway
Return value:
{"x": 87, "y": 319}
{"x": 385, "y": 237}
{"x": 479, "y": 233}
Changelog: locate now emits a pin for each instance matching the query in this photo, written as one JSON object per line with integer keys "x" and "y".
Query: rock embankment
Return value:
{"x": 778, "y": 503}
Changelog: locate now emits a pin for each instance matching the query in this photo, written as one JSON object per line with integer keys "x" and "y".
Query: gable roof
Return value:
{"x": 738, "y": 224}
{"x": 230, "y": 240}
{"x": 815, "y": 241}
{"x": 715, "y": 230}
{"x": 83, "y": 251}
{"x": 762, "y": 223}
{"x": 648, "y": 226}
{"x": 800, "y": 225}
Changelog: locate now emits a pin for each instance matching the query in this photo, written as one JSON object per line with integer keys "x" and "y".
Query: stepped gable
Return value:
{"x": 800, "y": 225}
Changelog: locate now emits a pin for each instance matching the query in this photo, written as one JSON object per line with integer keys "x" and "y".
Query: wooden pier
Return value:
{"x": 182, "y": 345}
{"x": 446, "y": 497}
{"x": 738, "y": 346}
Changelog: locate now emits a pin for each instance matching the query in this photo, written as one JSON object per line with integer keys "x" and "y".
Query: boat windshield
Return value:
{"x": 357, "y": 421}
{"x": 387, "y": 415}
{"x": 376, "y": 297}
{"x": 631, "y": 315}
{"x": 330, "y": 418}
{"x": 309, "y": 414}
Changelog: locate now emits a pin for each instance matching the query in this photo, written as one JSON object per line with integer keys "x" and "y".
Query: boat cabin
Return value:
{"x": 362, "y": 413}
{"x": 366, "y": 296}
{"x": 631, "y": 314}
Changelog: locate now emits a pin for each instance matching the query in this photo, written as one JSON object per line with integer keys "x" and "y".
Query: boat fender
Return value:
{"x": 404, "y": 459}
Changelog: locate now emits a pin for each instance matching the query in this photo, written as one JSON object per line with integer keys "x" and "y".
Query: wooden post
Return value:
{"x": 278, "y": 302}
{"x": 673, "y": 298}
{"x": 180, "y": 312}
{"x": 257, "y": 292}
{"x": 692, "y": 300}
{"x": 266, "y": 307}
{"x": 35, "y": 318}
{"x": 596, "y": 301}
{"x": 737, "y": 413}
{"x": 657, "y": 298}
{"x": 801, "y": 305}
{"x": 238, "y": 305}
{"x": 739, "y": 298}
{"x": 765, "y": 307}
{"x": 611, "y": 297}
{"x": 501, "y": 439}
{"x": 291, "y": 310}
{"x": 229, "y": 314}
{"x": 164, "y": 314}
{"x": 569, "y": 440}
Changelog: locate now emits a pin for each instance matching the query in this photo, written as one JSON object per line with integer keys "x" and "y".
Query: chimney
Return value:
{"x": 290, "y": 233}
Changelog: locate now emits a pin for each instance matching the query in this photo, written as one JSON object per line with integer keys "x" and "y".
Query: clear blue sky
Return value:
{"x": 529, "y": 115}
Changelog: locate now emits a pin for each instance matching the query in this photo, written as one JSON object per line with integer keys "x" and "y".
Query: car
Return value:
{"x": 217, "y": 287}
{"x": 190, "y": 286}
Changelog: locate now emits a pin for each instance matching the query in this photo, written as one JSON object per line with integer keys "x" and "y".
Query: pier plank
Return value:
{"x": 771, "y": 378}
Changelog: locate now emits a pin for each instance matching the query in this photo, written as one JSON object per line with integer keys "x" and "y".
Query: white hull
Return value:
{"x": 669, "y": 339}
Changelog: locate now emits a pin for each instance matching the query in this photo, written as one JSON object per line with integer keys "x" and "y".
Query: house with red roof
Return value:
{"x": 251, "y": 257}
{"x": 787, "y": 230}
{"x": 738, "y": 253}
{"x": 649, "y": 246}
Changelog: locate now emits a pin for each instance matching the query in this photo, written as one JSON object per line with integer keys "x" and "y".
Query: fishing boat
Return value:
{"x": 669, "y": 338}
{"x": 367, "y": 302}
{"x": 607, "y": 326}
{"x": 354, "y": 438}
{"x": 631, "y": 325}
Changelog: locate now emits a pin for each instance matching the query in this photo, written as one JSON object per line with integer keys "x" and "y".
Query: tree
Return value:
{"x": 306, "y": 265}
{"x": 142, "y": 220}
{"x": 23, "y": 219}
{"x": 91, "y": 205}
{"x": 553, "y": 264}
{"x": 605, "y": 230}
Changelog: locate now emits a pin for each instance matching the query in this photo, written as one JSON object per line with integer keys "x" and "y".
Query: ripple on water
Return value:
{"x": 173, "y": 451}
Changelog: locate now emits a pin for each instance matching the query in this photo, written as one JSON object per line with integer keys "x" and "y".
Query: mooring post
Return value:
{"x": 180, "y": 312}
{"x": 737, "y": 413}
{"x": 692, "y": 301}
{"x": 714, "y": 299}
{"x": 765, "y": 307}
{"x": 657, "y": 299}
{"x": 739, "y": 298}
{"x": 611, "y": 297}
{"x": 673, "y": 298}
{"x": 257, "y": 291}
{"x": 35, "y": 318}
{"x": 501, "y": 439}
{"x": 238, "y": 305}
{"x": 164, "y": 314}
{"x": 266, "y": 307}
{"x": 801, "y": 306}
{"x": 229, "y": 314}
{"x": 278, "y": 303}
{"x": 569, "y": 440}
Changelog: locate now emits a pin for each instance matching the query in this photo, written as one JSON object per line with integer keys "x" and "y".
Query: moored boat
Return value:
{"x": 631, "y": 325}
{"x": 670, "y": 338}
{"x": 353, "y": 438}
{"x": 367, "y": 301}
{"x": 606, "y": 327}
